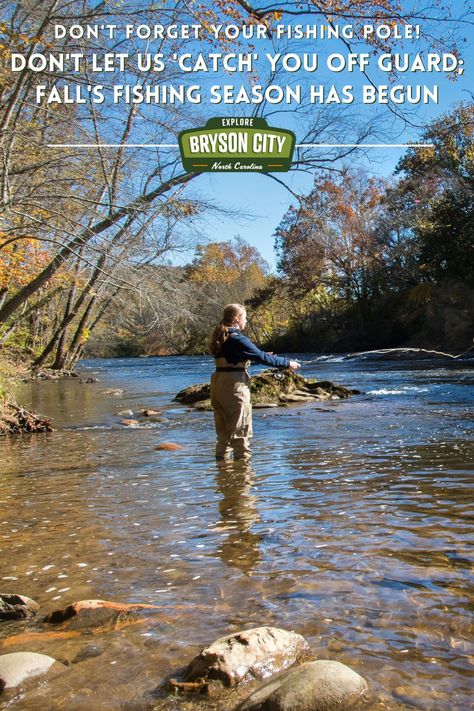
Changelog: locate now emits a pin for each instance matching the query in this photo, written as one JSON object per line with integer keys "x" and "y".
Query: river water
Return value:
{"x": 351, "y": 526}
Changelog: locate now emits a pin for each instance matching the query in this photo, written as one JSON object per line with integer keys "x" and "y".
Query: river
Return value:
{"x": 350, "y": 526}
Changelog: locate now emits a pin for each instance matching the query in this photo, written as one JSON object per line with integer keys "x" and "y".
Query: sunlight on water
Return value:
{"x": 351, "y": 526}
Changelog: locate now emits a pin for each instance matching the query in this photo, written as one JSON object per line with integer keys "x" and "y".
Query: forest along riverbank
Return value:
{"x": 349, "y": 527}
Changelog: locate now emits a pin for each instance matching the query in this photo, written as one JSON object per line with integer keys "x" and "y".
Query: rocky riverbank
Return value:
{"x": 259, "y": 669}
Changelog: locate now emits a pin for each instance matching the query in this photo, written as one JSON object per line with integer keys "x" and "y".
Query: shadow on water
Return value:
{"x": 351, "y": 526}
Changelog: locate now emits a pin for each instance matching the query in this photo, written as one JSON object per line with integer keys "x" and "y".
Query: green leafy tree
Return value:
{"x": 434, "y": 200}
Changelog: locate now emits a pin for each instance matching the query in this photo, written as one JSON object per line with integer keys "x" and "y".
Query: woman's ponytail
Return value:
{"x": 218, "y": 338}
{"x": 221, "y": 332}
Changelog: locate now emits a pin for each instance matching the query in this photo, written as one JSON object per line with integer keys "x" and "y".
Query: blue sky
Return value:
{"x": 267, "y": 201}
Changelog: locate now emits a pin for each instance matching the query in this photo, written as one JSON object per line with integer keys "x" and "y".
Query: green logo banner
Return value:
{"x": 235, "y": 145}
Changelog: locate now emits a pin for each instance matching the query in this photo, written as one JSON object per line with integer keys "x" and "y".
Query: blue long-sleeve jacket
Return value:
{"x": 238, "y": 348}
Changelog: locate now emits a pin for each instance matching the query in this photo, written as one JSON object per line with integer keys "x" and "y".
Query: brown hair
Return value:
{"x": 221, "y": 332}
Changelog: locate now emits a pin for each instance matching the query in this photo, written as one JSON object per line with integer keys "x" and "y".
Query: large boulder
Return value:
{"x": 16, "y": 667}
{"x": 16, "y": 607}
{"x": 194, "y": 394}
{"x": 253, "y": 654}
{"x": 315, "y": 686}
{"x": 273, "y": 387}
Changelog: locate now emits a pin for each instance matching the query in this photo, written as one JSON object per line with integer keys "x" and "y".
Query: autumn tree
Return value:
{"x": 92, "y": 208}
{"x": 85, "y": 209}
{"x": 330, "y": 239}
{"x": 235, "y": 263}
{"x": 434, "y": 198}
{"x": 427, "y": 223}
{"x": 224, "y": 272}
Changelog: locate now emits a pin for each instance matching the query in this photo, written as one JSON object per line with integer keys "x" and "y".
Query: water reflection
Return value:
{"x": 238, "y": 510}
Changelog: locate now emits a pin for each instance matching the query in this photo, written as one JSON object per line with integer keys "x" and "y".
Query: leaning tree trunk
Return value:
{"x": 76, "y": 348}
{"x": 59, "y": 358}
{"x": 70, "y": 313}
{"x": 134, "y": 208}
{"x": 72, "y": 355}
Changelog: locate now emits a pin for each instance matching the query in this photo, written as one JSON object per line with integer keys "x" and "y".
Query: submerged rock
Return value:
{"x": 151, "y": 412}
{"x": 315, "y": 686}
{"x": 169, "y": 447}
{"x": 98, "y": 619}
{"x": 16, "y": 607}
{"x": 16, "y": 667}
{"x": 88, "y": 652}
{"x": 253, "y": 654}
{"x": 93, "y": 614}
{"x": 271, "y": 388}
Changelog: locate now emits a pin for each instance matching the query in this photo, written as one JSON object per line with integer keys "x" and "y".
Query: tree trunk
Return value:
{"x": 70, "y": 313}
{"x": 57, "y": 365}
{"x": 76, "y": 347}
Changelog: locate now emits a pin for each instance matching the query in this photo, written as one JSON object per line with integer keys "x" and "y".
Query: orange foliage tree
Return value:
{"x": 331, "y": 240}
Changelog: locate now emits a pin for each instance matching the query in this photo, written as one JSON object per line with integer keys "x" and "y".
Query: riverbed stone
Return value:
{"x": 93, "y": 614}
{"x": 323, "y": 685}
{"x": 16, "y": 607}
{"x": 98, "y": 618}
{"x": 129, "y": 423}
{"x": 88, "y": 652}
{"x": 16, "y": 667}
{"x": 252, "y": 654}
{"x": 169, "y": 447}
{"x": 151, "y": 412}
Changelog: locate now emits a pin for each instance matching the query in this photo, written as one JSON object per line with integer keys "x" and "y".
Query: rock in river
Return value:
{"x": 96, "y": 614}
{"x": 273, "y": 387}
{"x": 168, "y": 447}
{"x": 16, "y": 607}
{"x": 19, "y": 666}
{"x": 150, "y": 412}
{"x": 315, "y": 686}
{"x": 254, "y": 654}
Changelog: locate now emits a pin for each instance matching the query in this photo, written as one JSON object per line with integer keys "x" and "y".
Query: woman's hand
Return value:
{"x": 294, "y": 364}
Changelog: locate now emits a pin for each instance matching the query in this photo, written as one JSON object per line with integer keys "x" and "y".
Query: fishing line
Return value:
{"x": 392, "y": 350}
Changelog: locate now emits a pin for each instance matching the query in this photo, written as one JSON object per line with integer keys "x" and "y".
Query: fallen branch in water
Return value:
{"x": 198, "y": 686}
{"x": 15, "y": 419}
